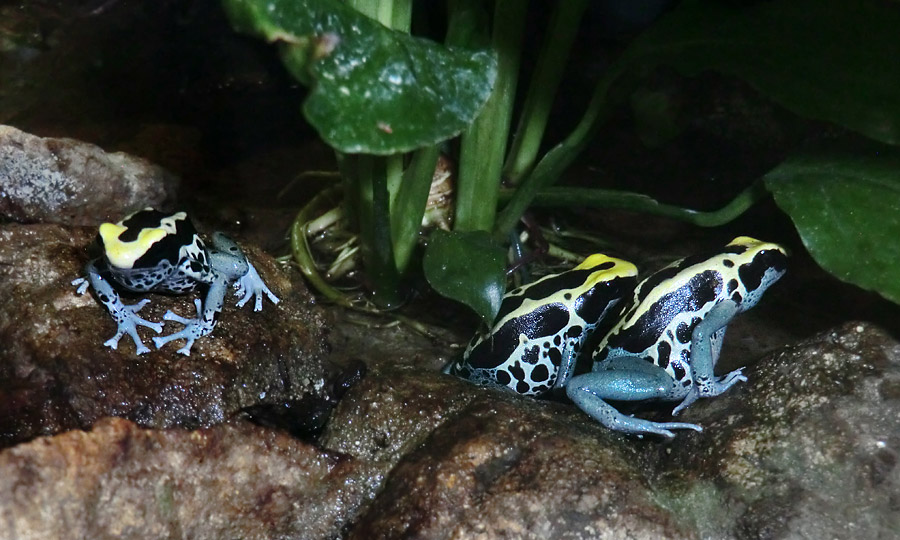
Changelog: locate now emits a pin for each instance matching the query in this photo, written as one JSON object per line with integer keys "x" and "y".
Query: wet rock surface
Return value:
{"x": 808, "y": 448}
{"x": 71, "y": 182}
{"x": 58, "y": 375}
{"x": 482, "y": 463}
{"x": 805, "y": 449}
{"x": 120, "y": 481}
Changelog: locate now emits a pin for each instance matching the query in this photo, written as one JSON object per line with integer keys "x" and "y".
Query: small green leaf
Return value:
{"x": 834, "y": 60}
{"x": 468, "y": 267}
{"x": 373, "y": 90}
{"x": 847, "y": 210}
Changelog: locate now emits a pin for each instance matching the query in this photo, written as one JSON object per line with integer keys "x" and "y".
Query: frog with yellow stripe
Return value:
{"x": 152, "y": 251}
{"x": 663, "y": 345}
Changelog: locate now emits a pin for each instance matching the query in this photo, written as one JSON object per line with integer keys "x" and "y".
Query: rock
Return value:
{"x": 232, "y": 481}
{"x": 56, "y": 374}
{"x": 807, "y": 448}
{"x": 468, "y": 462}
{"x": 71, "y": 182}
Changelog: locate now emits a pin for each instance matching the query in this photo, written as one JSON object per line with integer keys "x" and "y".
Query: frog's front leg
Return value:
{"x": 590, "y": 390}
{"x": 706, "y": 342}
{"x": 249, "y": 284}
{"x": 126, "y": 317}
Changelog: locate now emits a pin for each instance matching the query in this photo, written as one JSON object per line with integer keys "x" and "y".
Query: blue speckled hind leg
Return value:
{"x": 706, "y": 342}
{"x": 125, "y": 316}
{"x": 588, "y": 392}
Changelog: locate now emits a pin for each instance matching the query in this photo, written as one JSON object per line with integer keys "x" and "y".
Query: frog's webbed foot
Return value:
{"x": 126, "y": 317}
{"x": 193, "y": 329}
{"x": 705, "y": 389}
{"x": 251, "y": 285}
{"x": 128, "y": 321}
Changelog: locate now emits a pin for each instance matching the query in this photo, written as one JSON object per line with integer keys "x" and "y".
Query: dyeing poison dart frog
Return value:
{"x": 668, "y": 341}
{"x": 152, "y": 251}
{"x": 540, "y": 328}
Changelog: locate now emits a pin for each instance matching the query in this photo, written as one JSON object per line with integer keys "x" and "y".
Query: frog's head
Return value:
{"x": 144, "y": 239}
{"x": 759, "y": 265}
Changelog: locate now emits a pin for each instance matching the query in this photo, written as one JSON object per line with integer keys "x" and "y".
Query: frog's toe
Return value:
{"x": 250, "y": 285}
{"x": 131, "y": 330}
{"x": 663, "y": 428}
{"x": 113, "y": 342}
{"x": 82, "y": 284}
{"x": 732, "y": 379}
{"x": 172, "y": 316}
{"x": 689, "y": 400}
{"x": 186, "y": 334}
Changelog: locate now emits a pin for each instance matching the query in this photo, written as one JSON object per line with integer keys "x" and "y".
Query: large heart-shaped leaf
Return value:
{"x": 373, "y": 90}
{"x": 847, "y": 211}
{"x": 468, "y": 267}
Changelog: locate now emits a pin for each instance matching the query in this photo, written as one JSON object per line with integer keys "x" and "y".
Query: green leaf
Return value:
{"x": 468, "y": 267}
{"x": 373, "y": 90}
{"x": 847, "y": 210}
{"x": 834, "y": 60}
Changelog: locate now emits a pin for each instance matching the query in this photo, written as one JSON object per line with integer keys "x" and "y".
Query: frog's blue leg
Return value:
{"x": 567, "y": 364}
{"x": 706, "y": 342}
{"x": 228, "y": 264}
{"x": 125, "y": 316}
{"x": 588, "y": 392}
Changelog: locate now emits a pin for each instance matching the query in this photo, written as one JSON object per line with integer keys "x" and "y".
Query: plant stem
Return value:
{"x": 637, "y": 202}
{"x": 367, "y": 177}
{"x": 548, "y": 72}
{"x": 410, "y": 203}
{"x": 558, "y": 158}
{"x": 483, "y": 144}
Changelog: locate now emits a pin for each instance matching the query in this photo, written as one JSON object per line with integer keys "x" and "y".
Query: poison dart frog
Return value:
{"x": 540, "y": 328}
{"x": 667, "y": 343}
{"x": 152, "y": 251}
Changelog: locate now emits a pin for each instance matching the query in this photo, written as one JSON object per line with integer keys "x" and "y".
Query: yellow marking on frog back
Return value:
{"x": 123, "y": 254}
{"x": 620, "y": 269}
{"x": 716, "y": 262}
{"x": 755, "y": 246}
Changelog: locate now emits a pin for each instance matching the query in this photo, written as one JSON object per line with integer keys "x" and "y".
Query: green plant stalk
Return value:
{"x": 409, "y": 205}
{"x": 542, "y": 90}
{"x": 375, "y": 182}
{"x": 394, "y": 174}
{"x": 483, "y": 145}
{"x": 637, "y": 202}
{"x": 367, "y": 176}
{"x": 558, "y": 158}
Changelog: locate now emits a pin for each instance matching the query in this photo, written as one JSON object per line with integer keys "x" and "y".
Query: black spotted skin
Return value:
{"x": 668, "y": 305}
{"x": 541, "y": 327}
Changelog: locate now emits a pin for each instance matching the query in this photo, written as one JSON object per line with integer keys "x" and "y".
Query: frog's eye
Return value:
{"x": 763, "y": 269}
